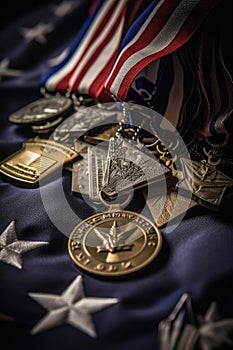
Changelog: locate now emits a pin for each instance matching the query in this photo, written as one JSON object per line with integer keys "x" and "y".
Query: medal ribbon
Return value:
{"x": 123, "y": 37}
{"x": 131, "y": 34}
{"x": 94, "y": 51}
{"x": 165, "y": 26}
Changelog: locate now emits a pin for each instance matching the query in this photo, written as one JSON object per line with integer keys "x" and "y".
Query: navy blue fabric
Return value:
{"x": 196, "y": 258}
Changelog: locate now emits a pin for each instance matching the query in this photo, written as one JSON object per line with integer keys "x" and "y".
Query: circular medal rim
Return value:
{"x": 117, "y": 273}
{"x": 67, "y": 107}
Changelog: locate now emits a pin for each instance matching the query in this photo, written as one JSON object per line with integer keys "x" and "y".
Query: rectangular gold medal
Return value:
{"x": 36, "y": 160}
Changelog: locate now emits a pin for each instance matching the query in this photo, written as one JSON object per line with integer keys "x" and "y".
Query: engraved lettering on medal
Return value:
{"x": 83, "y": 258}
{"x": 126, "y": 265}
{"x": 75, "y": 245}
{"x": 115, "y": 243}
{"x": 112, "y": 268}
{"x": 100, "y": 267}
{"x": 94, "y": 220}
{"x": 87, "y": 261}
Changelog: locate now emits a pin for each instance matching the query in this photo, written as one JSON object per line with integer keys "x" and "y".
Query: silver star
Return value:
{"x": 71, "y": 307}
{"x": 5, "y": 71}
{"x": 64, "y": 8}
{"x": 37, "y": 33}
{"x": 184, "y": 330}
{"x": 11, "y": 248}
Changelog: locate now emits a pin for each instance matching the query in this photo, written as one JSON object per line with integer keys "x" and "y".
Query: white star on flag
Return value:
{"x": 71, "y": 307}
{"x": 37, "y": 33}
{"x": 11, "y": 248}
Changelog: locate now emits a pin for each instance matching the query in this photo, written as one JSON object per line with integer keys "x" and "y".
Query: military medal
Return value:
{"x": 114, "y": 243}
{"x": 35, "y": 161}
{"x": 42, "y": 110}
{"x": 129, "y": 164}
{"x": 168, "y": 207}
{"x": 209, "y": 183}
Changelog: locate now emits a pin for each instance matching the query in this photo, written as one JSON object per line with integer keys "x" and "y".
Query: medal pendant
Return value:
{"x": 36, "y": 160}
{"x": 114, "y": 243}
{"x": 209, "y": 184}
{"x": 42, "y": 110}
{"x": 169, "y": 206}
{"x": 129, "y": 164}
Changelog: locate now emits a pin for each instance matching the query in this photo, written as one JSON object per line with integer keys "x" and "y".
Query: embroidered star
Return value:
{"x": 71, "y": 307}
{"x": 5, "y": 71}
{"x": 183, "y": 329}
{"x": 64, "y": 8}
{"x": 37, "y": 33}
{"x": 11, "y": 248}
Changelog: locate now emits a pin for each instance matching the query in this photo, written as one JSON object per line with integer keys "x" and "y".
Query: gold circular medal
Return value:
{"x": 114, "y": 243}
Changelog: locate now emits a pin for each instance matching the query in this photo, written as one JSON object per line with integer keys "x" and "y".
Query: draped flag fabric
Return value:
{"x": 45, "y": 301}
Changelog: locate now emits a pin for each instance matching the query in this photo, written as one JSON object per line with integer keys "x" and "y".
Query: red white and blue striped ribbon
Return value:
{"x": 165, "y": 28}
{"x": 88, "y": 66}
{"x": 95, "y": 34}
{"x": 123, "y": 37}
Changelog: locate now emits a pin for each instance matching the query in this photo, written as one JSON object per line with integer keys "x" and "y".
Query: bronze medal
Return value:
{"x": 114, "y": 243}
